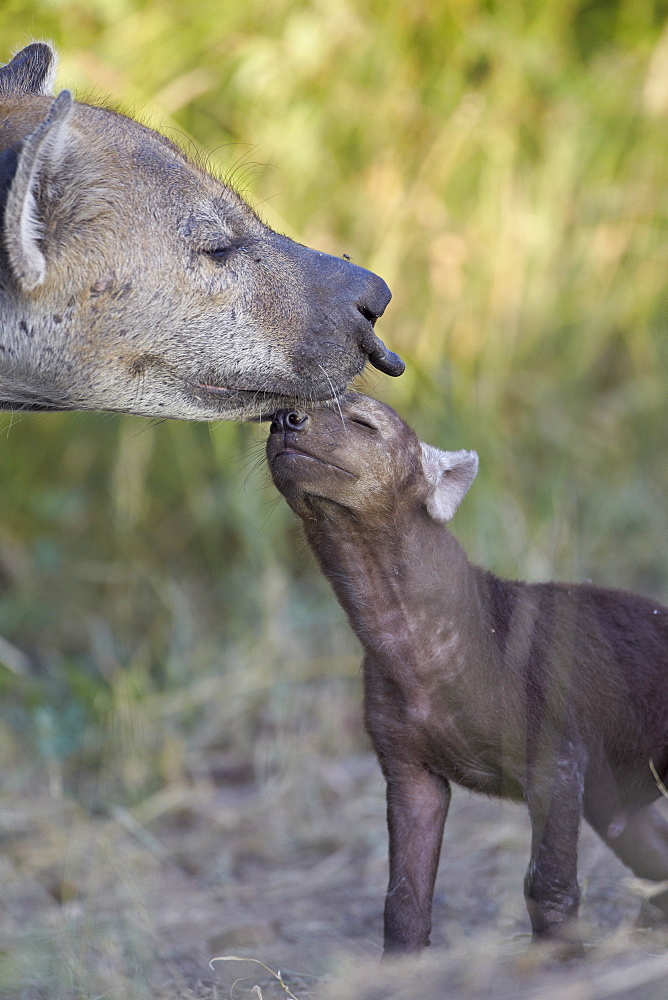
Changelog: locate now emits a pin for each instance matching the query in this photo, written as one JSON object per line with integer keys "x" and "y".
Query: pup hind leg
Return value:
{"x": 642, "y": 845}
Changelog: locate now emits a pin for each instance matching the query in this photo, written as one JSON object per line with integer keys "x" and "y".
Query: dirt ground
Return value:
{"x": 134, "y": 904}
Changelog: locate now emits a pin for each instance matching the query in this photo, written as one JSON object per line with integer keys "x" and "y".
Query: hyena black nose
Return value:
{"x": 344, "y": 301}
{"x": 371, "y": 305}
{"x": 374, "y": 297}
{"x": 288, "y": 420}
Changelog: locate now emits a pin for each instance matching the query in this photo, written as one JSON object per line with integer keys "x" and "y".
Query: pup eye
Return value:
{"x": 362, "y": 423}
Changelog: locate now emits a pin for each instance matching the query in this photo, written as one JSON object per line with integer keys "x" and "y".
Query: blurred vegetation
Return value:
{"x": 503, "y": 165}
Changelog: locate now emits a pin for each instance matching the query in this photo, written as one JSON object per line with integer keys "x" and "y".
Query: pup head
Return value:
{"x": 363, "y": 458}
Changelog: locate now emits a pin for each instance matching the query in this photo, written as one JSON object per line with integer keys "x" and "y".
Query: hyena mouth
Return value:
{"x": 261, "y": 400}
{"x": 224, "y": 391}
{"x": 234, "y": 398}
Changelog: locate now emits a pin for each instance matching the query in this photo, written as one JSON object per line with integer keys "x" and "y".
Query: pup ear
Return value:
{"x": 31, "y": 71}
{"x": 449, "y": 474}
{"x": 40, "y": 161}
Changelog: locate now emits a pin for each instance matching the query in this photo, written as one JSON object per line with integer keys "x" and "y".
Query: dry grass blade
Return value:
{"x": 659, "y": 783}
{"x": 14, "y": 659}
{"x": 256, "y": 989}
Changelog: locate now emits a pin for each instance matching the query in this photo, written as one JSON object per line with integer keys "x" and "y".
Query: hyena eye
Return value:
{"x": 219, "y": 253}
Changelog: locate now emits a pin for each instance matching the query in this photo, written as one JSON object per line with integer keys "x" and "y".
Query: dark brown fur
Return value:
{"x": 552, "y": 693}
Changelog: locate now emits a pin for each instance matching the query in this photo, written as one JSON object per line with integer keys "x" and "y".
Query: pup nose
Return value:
{"x": 288, "y": 420}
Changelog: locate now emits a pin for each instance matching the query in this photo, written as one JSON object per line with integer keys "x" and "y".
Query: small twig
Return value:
{"x": 233, "y": 987}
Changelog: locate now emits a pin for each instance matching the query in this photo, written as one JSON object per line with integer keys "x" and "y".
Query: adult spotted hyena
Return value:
{"x": 132, "y": 280}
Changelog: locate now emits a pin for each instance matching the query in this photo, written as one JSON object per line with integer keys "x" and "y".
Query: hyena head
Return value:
{"x": 133, "y": 280}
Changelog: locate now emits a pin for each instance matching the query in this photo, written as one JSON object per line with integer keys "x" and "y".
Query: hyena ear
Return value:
{"x": 31, "y": 71}
{"x": 449, "y": 474}
{"x": 39, "y": 162}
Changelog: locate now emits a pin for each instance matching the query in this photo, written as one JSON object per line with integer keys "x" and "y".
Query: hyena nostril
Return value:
{"x": 372, "y": 317}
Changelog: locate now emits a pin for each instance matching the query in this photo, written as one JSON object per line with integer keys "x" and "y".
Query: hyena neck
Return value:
{"x": 31, "y": 371}
{"x": 405, "y": 587}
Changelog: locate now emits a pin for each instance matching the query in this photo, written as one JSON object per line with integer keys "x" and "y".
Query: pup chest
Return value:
{"x": 439, "y": 724}
{"x": 463, "y": 746}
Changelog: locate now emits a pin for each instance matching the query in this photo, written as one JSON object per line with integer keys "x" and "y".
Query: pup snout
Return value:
{"x": 288, "y": 420}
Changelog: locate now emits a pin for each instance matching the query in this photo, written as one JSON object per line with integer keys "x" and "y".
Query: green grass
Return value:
{"x": 503, "y": 166}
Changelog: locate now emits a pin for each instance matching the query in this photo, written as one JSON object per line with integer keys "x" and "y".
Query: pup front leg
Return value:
{"x": 551, "y": 886}
{"x": 417, "y": 804}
